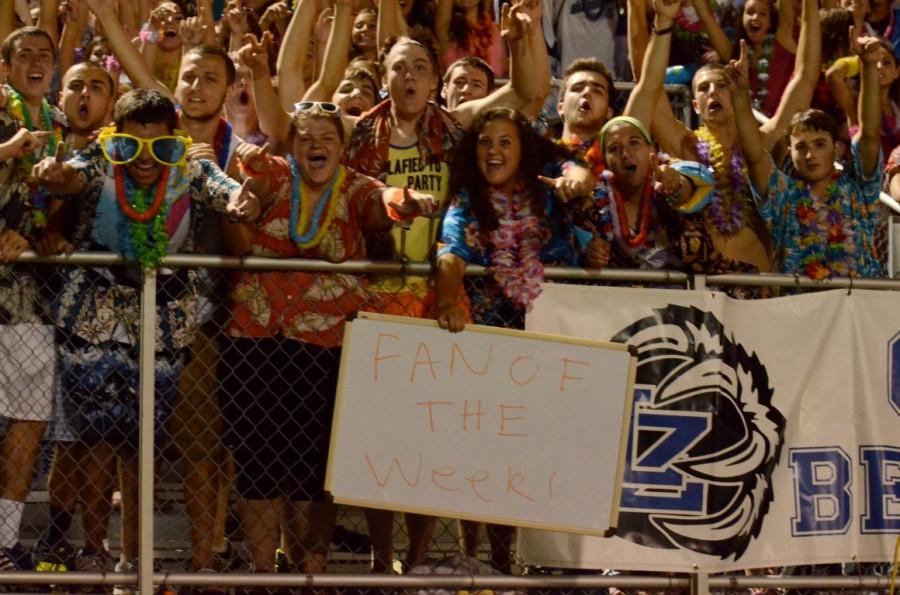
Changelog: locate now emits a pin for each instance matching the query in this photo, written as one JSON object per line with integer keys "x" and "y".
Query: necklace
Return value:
{"x": 136, "y": 214}
{"x": 146, "y": 242}
{"x": 729, "y": 208}
{"x": 517, "y": 242}
{"x": 306, "y": 226}
{"x": 19, "y": 111}
{"x": 762, "y": 72}
{"x": 826, "y": 237}
{"x": 620, "y": 217}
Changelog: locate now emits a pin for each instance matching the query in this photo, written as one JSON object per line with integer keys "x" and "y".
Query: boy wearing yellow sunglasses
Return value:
{"x": 139, "y": 196}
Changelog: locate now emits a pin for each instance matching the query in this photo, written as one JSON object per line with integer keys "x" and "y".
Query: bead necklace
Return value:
{"x": 147, "y": 242}
{"x": 306, "y": 226}
{"x": 620, "y": 217}
{"x": 825, "y": 235}
{"x": 729, "y": 208}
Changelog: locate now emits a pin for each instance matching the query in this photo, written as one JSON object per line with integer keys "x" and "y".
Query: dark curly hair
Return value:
{"x": 537, "y": 151}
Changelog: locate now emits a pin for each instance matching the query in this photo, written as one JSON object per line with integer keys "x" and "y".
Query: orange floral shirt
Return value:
{"x": 309, "y": 307}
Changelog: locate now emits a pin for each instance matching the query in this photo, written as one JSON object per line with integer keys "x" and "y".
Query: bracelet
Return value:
{"x": 665, "y": 31}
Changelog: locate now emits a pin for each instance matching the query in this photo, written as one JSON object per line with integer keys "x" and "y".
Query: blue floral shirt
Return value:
{"x": 825, "y": 237}
{"x": 100, "y": 305}
{"x": 462, "y": 237}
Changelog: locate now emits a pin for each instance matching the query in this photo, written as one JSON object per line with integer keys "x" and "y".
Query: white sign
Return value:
{"x": 489, "y": 424}
{"x": 764, "y": 432}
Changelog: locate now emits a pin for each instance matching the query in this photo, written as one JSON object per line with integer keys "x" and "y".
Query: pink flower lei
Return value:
{"x": 517, "y": 242}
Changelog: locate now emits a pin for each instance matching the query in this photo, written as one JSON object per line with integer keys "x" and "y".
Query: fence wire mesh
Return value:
{"x": 245, "y": 375}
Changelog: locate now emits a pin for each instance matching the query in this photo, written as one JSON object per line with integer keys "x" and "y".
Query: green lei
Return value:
{"x": 149, "y": 253}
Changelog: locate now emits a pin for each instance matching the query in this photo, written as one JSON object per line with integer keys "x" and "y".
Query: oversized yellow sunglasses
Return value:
{"x": 120, "y": 148}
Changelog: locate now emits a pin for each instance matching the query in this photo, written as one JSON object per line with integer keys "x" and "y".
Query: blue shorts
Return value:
{"x": 99, "y": 389}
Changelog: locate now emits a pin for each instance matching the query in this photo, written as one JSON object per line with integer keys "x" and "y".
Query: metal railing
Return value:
{"x": 146, "y": 579}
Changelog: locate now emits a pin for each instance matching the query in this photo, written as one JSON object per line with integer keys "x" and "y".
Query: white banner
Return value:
{"x": 764, "y": 433}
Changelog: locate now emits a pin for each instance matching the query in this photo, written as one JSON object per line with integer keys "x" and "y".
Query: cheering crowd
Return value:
{"x": 406, "y": 130}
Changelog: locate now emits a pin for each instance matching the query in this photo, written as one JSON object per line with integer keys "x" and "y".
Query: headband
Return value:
{"x": 627, "y": 120}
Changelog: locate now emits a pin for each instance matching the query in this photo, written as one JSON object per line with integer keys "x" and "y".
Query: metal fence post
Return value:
{"x": 146, "y": 448}
{"x": 699, "y": 583}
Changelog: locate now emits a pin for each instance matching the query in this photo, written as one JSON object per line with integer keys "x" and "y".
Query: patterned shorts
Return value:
{"x": 98, "y": 386}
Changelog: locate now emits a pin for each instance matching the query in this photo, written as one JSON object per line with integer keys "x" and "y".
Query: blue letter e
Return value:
{"x": 822, "y": 490}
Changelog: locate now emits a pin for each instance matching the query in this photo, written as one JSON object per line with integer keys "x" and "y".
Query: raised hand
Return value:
{"x": 253, "y": 158}
{"x": 243, "y": 205}
{"x": 515, "y": 22}
{"x": 665, "y": 11}
{"x": 414, "y": 204}
{"x": 236, "y": 17}
{"x": 737, "y": 73}
{"x": 666, "y": 181}
{"x": 194, "y": 30}
{"x": 254, "y": 53}
{"x": 278, "y": 14}
{"x": 565, "y": 188}
{"x": 102, "y": 7}
{"x": 864, "y": 46}
{"x": 24, "y": 142}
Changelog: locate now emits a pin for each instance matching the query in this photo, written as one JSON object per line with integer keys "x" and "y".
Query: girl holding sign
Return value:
{"x": 502, "y": 217}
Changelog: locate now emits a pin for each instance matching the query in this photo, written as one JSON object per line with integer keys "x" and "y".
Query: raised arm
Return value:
{"x": 784, "y": 34}
{"x": 643, "y": 99}
{"x": 7, "y": 18}
{"x": 717, "y": 37}
{"x": 73, "y": 31}
{"x": 442, "y": 17}
{"x": 807, "y": 67}
{"x": 759, "y": 164}
{"x": 274, "y": 120}
{"x": 48, "y": 19}
{"x": 129, "y": 57}
{"x": 390, "y": 21}
{"x": 836, "y": 76}
{"x": 529, "y": 64}
{"x": 638, "y": 35}
{"x": 869, "y": 102}
{"x": 338, "y": 52}
{"x": 293, "y": 54}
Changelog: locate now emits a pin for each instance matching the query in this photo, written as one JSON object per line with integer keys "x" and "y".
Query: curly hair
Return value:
{"x": 536, "y": 152}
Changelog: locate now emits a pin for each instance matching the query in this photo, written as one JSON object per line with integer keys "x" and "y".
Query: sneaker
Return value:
{"x": 125, "y": 566}
{"x": 59, "y": 557}
{"x": 227, "y": 559}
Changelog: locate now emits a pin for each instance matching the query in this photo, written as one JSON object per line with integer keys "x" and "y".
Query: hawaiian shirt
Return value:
{"x": 98, "y": 304}
{"x": 825, "y": 237}
{"x": 462, "y": 237}
{"x": 309, "y": 307}
{"x": 20, "y": 300}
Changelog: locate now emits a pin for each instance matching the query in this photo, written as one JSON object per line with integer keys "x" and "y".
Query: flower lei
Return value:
{"x": 689, "y": 25}
{"x": 826, "y": 235}
{"x": 762, "y": 72}
{"x": 729, "y": 208}
{"x": 515, "y": 260}
{"x": 306, "y": 226}
{"x": 19, "y": 111}
{"x": 629, "y": 242}
{"x": 147, "y": 235}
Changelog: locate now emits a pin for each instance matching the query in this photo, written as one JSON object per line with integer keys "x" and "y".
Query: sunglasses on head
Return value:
{"x": 120, "y": 148}
{"x": 316, "y": 106}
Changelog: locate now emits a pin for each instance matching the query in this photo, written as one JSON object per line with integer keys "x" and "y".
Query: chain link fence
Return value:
{"x": 221, "y": 474}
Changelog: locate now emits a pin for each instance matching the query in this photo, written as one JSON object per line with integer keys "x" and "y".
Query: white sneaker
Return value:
{"x": 125, "y": 566}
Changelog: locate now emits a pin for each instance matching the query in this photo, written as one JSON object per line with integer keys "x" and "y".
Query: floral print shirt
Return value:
{"x": 309, "y": 307}
{"x": 825, "y": 237}
{"x": 20, "y": 298}
{"x": 461, "y": 236}
{"x": 100, "y": 305}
